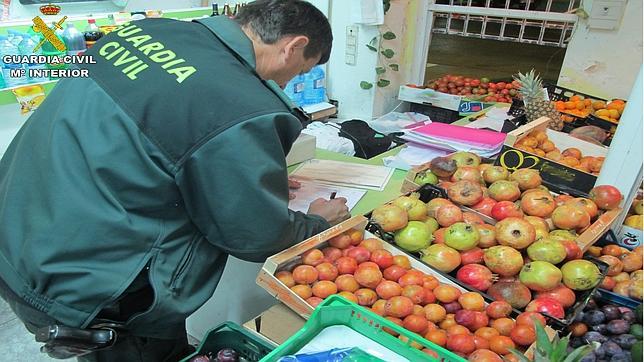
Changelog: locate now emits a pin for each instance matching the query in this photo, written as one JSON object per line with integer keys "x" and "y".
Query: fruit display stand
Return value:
{"x": 336, "y": 310}
{"x": 556, "y": 176}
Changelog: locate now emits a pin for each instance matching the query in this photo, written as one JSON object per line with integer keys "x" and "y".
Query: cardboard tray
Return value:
{"x": 556, "y": 176}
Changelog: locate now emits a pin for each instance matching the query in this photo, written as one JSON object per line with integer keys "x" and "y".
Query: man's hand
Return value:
{"x": 334, "y": 211}
{"x": 293, "y": 184}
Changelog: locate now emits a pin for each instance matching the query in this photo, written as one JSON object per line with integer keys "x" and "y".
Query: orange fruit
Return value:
{"x": 481, "y": 343}
{"x": 570, "y": 105}
{"x": 602, "y": 113}
{"x": 457, "y": 329}
{"x": 599, "y": 105}
{"x": 447, "y": 322}
{"x": 539, "y": 152}
{"x": 501, "y": 344}
{"x": 575, "y": 98}
{"x": 437, "y": 336}
{"x": 579, "y": 105}
{"x": 435, "y": 312}
{"x": 523, "y": 335}
{"x": 588, "y": 103}
{"x": 560, "y": 105}
{"x": 547, "y": 146}
{"x": 613, "y": 113}
{"x": 472, "y": 301}
{"x": 486, "y": 332}
{"x": 446, "y": 293}
{"x": 503, "y": 325}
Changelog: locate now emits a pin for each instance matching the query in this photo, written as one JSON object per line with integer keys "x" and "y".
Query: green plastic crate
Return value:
{"x": 336, "y": 310}
{"x": 231, "y": 335}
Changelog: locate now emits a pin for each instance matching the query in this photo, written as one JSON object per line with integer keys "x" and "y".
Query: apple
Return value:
{"x": 504, "y": 190}
{"x": 515, "y": 232}
{"x": 504, "y": 209}
{"x": 461, "y": 236}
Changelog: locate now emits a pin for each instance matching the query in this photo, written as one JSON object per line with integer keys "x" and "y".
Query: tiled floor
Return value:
{"x": 16, "y": 343}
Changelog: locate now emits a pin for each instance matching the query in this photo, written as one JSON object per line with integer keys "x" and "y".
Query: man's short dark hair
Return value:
{"x": 272, "y": 20}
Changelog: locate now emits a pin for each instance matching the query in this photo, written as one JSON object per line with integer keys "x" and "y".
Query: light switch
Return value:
{"x": 351, "y": 48}
{"x": 350, "y": 59}
{"x": 606, "y": 14}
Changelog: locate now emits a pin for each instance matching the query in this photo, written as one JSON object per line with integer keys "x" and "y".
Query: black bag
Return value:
{"x": 367, "y": 141}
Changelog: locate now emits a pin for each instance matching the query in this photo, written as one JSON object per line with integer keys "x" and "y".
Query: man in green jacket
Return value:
{"x": 124, "y": 193}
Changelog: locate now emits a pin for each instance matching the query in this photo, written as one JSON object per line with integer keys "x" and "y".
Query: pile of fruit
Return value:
{"x": 365, "y": 273}
{"x": 581, "y": 107}
{"x": 634, "y": 218}
{"x": 529, "y": 258}
{"x": 616, "y": 330}
{"x": 537, "y": 143}
{"x": 479, "y": 88}
{"x": 625, "y": 275}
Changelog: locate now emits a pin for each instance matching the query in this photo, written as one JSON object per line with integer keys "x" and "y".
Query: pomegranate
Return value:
{"x": 503, "y": 260}
{"x": 562, "y": 235}
{"x": 371, "y": 244}
{"x": 515, "y": 232}
{"x": 606, "y": 197}
{"x": 399, "y": 307}
{"x": 465, "y": 192}
{"x": 443, "y": 166}
{"x": 515, "y": 293}
{"x": 324, "y": 288}
{"x": 341, "y": 241}
{"x": 463, "y": 158}
{"x": 526, "y": 178}
{"x": 359, "y": 253}
{"x": 504, "y": 191}
{"x": 326, "y": 271}
{"x": 383, "y": 258}
{"x": 414, "y": 292}
{"x": 441, "y": 257}
{"x": 402, "y": 261}
{"x": 541, "y": 227}
{"x": 387, "y": 289}
{"x": 347, "y": 283}
{"x": 416, "y": 209}
{"x": 586, "y": 204}
{"x": 305, "y": 274}
{"x": 439, "y": 236}
{"x": 389, "y": 217}
{"x": 505, "y": 209}
{"x": 434, "y": 204}
{"x": 331, "y": 253}
{"x": 346, "y": 265}
{"x": 548, "y": 306}
{"x": 540, "y": 276}
{"x": 484, "y": 355}
{"x": 313, "y": 257}
{"x": 447, "y": 215}
{"x": 485, "y": 206}
{"x": 570, "y": 217}
{"x": 394, "y": 272}
{"x": 495, "y": 173}
{"x": 580, "y": 274}
{"x": 562, "y": 199}
{"x": 487, "y": 235}
{"x": 477, "y": 276}
{"x": 411, "y": 278}
{"x": 368, "y": 277}
{"x": 469, "y": 173}
{"x": 472, "y": 218}
{"x": 538, "y": 203}
{"x": 498, "y": 309}
{"x": 548, "y": 250}
{"x": 366, "y": 296}
{"x": 573, "y": 251}
{"x": 415, "y": 323}
{"x": 413, "y": 237}
{"x": 461, "y": 236}
{"x": 561, "y": 293}
{"x": 286, "y": 278}
{"x": 472, "y": 256}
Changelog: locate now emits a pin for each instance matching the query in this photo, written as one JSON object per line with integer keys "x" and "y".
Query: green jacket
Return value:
{"x": 171, "y": 154}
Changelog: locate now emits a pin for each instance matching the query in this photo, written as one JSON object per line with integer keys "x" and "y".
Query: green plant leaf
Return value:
{"x": 543, "y": 343}
{"x": 579, "y": 353}
{"x": 383, "y": 83}
{"x": 388, "y": 53}
{"x": 366, "y": 85}
{"x": 380, "y": 70}
{"x": 393, "y": 67}
{"x": 559, "y": 350}
{"x": 389, "y": 36}
{"x": 519, "y": 355}
{"x": 373, "y": 49}
{"x": 374, "y": 41}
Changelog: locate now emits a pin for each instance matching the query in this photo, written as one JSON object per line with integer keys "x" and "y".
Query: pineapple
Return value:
{"x": 535, "y": 104}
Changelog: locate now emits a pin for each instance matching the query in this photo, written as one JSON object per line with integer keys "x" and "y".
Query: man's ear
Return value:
{"x": 295, "y": 44}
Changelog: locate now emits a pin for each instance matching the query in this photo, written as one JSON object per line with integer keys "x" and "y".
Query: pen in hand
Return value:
{"x": 333, "y": 195}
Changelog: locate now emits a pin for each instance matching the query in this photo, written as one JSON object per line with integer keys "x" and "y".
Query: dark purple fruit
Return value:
{"x": 611, "y": 312}
{"x": 593, "y": 336}
{"x": 227, "y": 355}
{"x": 628, "y": 315}
{"x": 611, "y": 348}
{"x": 591, "y": 304}
{"x": 590, "y": 357}
{"x": 620, "y": 357}
{"x": 601, "y": 328}
{"x": 200, "y": 358}
{"x": 594, "y": 317}
{"x": 579, "y": 317}
{"x": 626, "y": 341}
{"x": 618, "y": 326}
{"x": 576, "y": 342}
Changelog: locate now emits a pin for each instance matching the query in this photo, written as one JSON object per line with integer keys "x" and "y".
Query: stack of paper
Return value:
{"x": 344, "y": 174}
{"x": 457, "y": 138}
{"x": 310, "y": 191}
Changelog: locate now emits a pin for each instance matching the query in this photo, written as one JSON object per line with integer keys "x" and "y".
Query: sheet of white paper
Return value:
{"x": 309, "y": 191}
{"x": 345, "y": 174}
{"x": 368, "y": 12}
{"x": 493, "y": 119}
{"x": 413, "y": 155}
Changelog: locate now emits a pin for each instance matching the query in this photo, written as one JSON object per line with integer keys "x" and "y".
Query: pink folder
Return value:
{"x": 463, "y": 134}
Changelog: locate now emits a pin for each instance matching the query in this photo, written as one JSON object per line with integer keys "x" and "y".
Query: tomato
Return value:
{"x": 491, "y": 86}
{"x": 509, "y": 86}
{"x": 475, "y": 82}
{"x": 505, "y": 91}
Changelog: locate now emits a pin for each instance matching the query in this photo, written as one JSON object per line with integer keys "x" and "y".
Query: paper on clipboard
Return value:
{"x": 344, "y": 174}
{"x": 310, "y": 191}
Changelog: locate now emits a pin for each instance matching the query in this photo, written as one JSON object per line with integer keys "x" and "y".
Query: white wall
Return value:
{"x": 605, "y": 63}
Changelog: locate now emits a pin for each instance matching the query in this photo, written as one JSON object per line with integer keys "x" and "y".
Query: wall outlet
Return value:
{"x": 606, "y": 14}
{"x": 351, "y": 48}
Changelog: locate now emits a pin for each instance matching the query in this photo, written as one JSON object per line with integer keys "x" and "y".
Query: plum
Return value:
{"x": 618, "y": 326}
{"x": 628, "y": 315}
{"x": 576, "y": 342}
{"x": 620, "y": 357}
{"x": 594, "y": 317}
{"x": 611, "y": 312}
{"x": 626, "y": 341}
{"x": 611, "y": 348}
{"x": 227, "y": 355}
{"x": 591, "y": 304}
{"x": 579, "y": 317}
{"x": 590, "y": 357}
{"x": 601, "y": 328}
{"x": 593, "y": 336}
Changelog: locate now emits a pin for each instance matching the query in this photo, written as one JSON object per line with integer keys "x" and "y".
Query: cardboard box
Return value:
{"x": 277, "y": 324}
{"x": 556, "y": 176}
{"x": 303, "y": 149}
{"x": 429, "y": 96}
{"x": 629, "y": 237}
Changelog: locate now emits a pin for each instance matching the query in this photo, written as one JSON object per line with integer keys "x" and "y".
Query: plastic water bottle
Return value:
{"x": 74, "y": 40}
{"x": 8, "y": 48}
{"x": 295, "y": 90}
{"x": 26, "y": 47}
{"x": 314, "y": 90}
